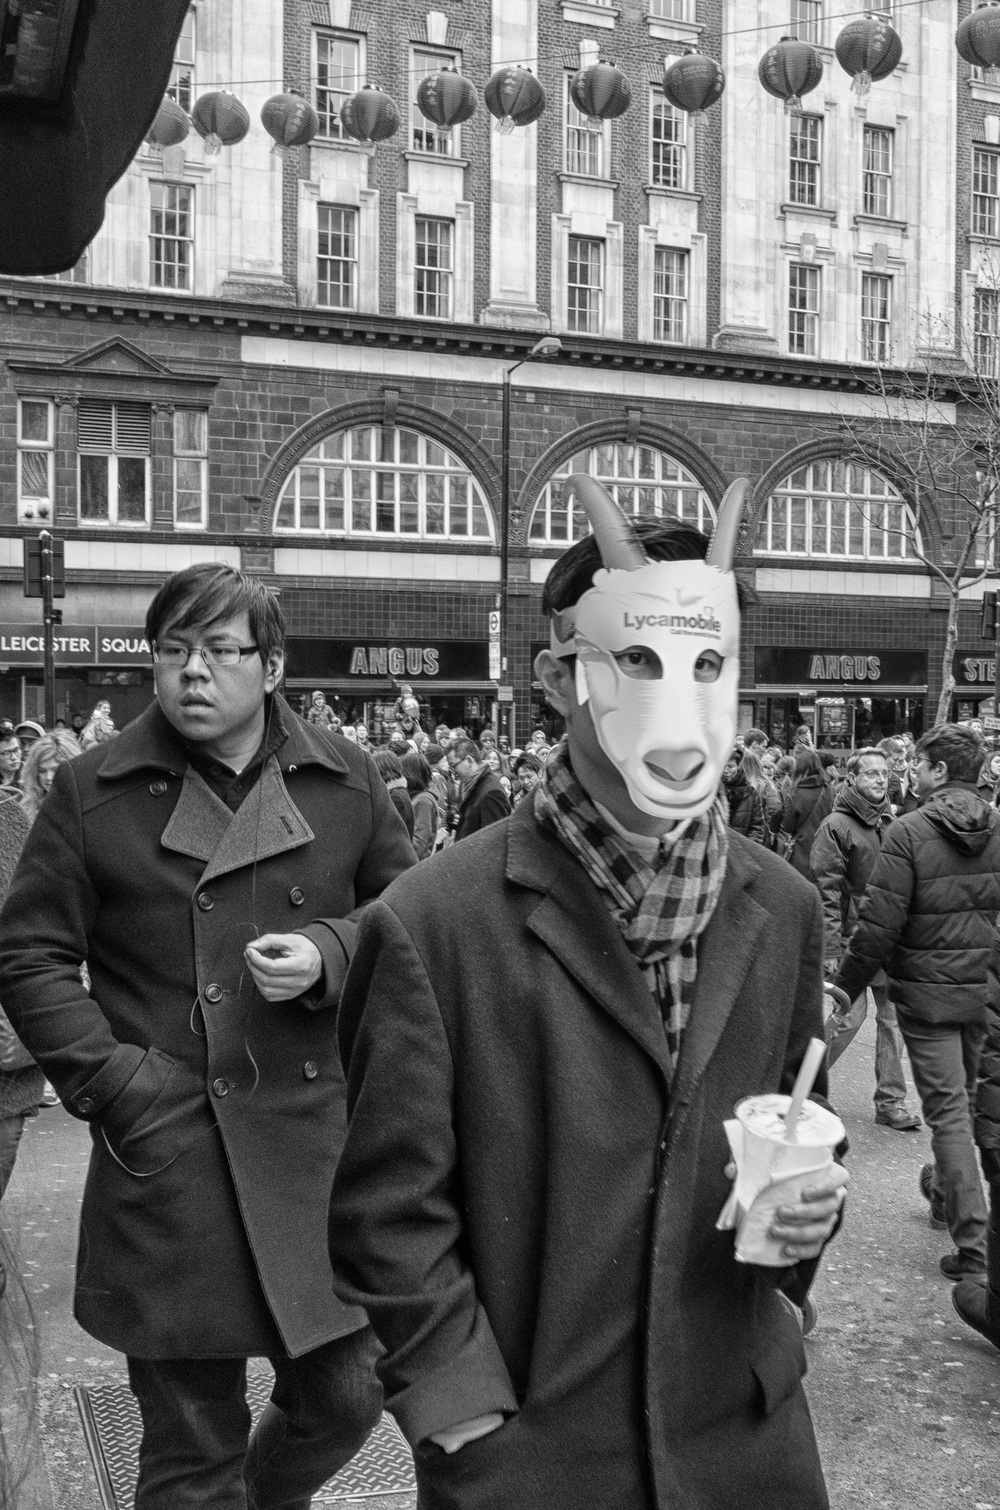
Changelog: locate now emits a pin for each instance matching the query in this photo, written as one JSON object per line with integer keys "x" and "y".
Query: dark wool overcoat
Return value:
{"x": 527, "y": 1206}
{"x": 216, "y": 1116}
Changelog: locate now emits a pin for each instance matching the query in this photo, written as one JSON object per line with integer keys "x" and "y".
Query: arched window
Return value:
{"x": 837, "y": 509}
{"x": 644, "y": 482}
{"x": 381, "y": 482}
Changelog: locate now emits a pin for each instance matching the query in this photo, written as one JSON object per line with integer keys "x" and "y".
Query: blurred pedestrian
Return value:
{"x": 902, "y": 794}
{"x": 100, "y": 727}
{"x": 928, "y": 918}
{"x": 320, "y": 714}
{"x": 44, "y": 758}
{"x": 752, "y": 768}
{"x": 807, "y": 801}
{"x": 844, "y": 853}
{"x": 417, "y": 774}
{"x": 483, "y": 800}
{"x": 745, "y": 805}
{"x": 10, "y": 764}
{"x": 978, "y": 1304}
{"x": 22, "y": 1082}
{"x": 388, "y": 763}
{"x": 527, "y": 771}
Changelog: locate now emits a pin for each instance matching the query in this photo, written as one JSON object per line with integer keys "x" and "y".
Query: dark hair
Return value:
{"x": 204, "y": 594}
{"x": 433, "y": 753}
{"x": 528, "y": 762}
{"x": 893, "y": 744}
{"x": 961, "y": 750}
{"x": 857, "y": 756}
{"x": 574, "y": 570}
{"x": 808, "y": 763}
{"x": 387, "y": 764}
{"x": 755, "y": 737}
{"x": 464, "y": 748}
{"x": 417, "y": 772}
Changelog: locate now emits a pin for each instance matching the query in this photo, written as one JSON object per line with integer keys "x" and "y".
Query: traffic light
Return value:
{"x": 33, "y": 566}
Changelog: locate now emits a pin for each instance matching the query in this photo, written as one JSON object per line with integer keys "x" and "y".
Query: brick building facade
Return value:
{"x": 296, "y": 362}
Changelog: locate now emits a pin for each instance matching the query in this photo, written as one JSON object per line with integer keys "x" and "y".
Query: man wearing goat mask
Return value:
{"x": 543, "y": 1031}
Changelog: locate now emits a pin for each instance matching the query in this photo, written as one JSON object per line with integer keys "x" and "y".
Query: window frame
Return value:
{"x": 682, "y": 300}
{"x": 986, "y": 342}
{"x": 350, "y": 262}
{"x": 181, "y": 454}
{"x": 184, "y": 94}
{"x": 330, "y": 129}
{"x": 810, "y": 176}
{"x": 805, "y": 21}
{"x": 113, "y": 457}
{"x": 625, "y": 487}
{"x": 874, "y": 178}
{"x": 810, "y": 324}
{"x": 44, "y": 448}
{"x": 876, "y": 329}
{"x": 983, "y": 154}
{"x": 586, "y": 132}
{"x": 179, "y": 241}
{"x": 658, "y": 102}
{"x": 446, "y": 272}
{"x": 451, "y": 138}
{"x": 572, "y": 324}
{"x": 807, "y": 498}
{"x": 660, "y": 10}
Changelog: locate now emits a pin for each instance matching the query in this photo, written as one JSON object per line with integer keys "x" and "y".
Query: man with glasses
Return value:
{"x": 209, "y": 865}
{"x": 10, "y": 761}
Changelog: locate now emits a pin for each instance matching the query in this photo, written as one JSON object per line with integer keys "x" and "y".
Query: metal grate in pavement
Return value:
{"x": 112, "y": 1428}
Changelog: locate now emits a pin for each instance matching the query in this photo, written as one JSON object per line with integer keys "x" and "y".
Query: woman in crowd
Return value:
{"x": 527, "y": 771}
{"x": 746, "y": 808}
{"x": 43, "y": 759}
{"x": 391, "y": 773}
{"x": 807, "y": 802}
{"x": 426, "y": 818}
{"x": 752, "y": 767}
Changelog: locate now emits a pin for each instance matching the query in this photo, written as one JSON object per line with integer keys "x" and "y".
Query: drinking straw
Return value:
{"x": 804, "y": 1081}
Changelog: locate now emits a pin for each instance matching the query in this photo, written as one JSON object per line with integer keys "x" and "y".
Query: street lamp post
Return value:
{"x": 548, "y": 346}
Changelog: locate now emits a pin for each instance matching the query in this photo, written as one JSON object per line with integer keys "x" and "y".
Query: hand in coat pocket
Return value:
{"x": 156, "y": 1116}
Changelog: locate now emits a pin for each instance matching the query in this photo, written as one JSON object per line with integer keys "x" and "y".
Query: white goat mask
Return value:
{"x": 669, "y": 723}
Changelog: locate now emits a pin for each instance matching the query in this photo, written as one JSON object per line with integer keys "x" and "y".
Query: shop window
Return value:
{"x": 338, "y": 68}
{"x": 182, "y": 81}
{"x": 644, "y": 482}
{"x": 113, "y": 441}
{"x": 35, "y": 442}
{"x": 837, "y": 509}
{"x": 383, "y": 483}
{"x": 190, "y": 469}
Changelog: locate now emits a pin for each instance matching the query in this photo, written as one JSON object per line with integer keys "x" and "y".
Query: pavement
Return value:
{"x": 905, "y": 1397}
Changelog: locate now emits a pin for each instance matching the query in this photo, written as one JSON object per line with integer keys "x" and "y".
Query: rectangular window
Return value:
{"x": 113, "y": 440}
{"x": 668, "y": 144}
{"x": 805, "y": 159}
{"x": 585, "y": 285}
{"x": 876, "y": 316}
{"x": 986, "y": 331}
{"x": 182, "y": 81}
{"x": 190, "y": 468}
{"x": 877, "y": 192}
{"x": 670, "y": 295}
{"x": 669, "y": 10}
{"x": 985, "y": 192}
{"x": 337, "y": 73}
{"x": 171, "y": 235}
{"x": 434, "y": 267}
{"x": 34, "y": 459}
{"x": 425, "y": 135}
{"x": 806, "y": 19}
{"x": 75, "y": 274}
{"x": 584, "y": 142}
{"x": 803, "y": 310}
{"x": 337, "y": 257}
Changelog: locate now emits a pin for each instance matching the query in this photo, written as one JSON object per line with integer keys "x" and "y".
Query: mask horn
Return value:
{"x": 723, "y": 547}
{"x": 618, "y": 541}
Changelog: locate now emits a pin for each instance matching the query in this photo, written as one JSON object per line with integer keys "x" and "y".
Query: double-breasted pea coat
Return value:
{"x": 527, "y": 1198}
{"x": 217, "y": 1117}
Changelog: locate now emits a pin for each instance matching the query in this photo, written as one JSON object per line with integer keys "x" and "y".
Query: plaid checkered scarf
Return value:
{"x": 661, "y": 909}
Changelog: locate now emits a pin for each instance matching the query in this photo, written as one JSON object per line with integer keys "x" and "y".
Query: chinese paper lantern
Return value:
{"x": 446, "y": 98}
{"x": 289, "y": 119}
{"x": 221, "y": 119}
{"x": 600, "y": 92}
{"x": 693, "y": 82}
{"x": 515, "y": 97}
{"x": 369, "y": 116}
{"x": 978, "y": 36}
{"x": 790, "y": 69}
{"x": 170, "y": 125}
{"x": 869, "y": 50}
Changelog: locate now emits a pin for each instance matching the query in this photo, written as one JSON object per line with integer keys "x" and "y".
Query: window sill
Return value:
{"x": 585, "y": 13}
{"x": 663, "y": 30}
{"x": 882, "y": 222}
{"x": 587, "y": 178}
{"x": 817, "y": 212}
{"x": 412, "y": 155}
{"x": 990, "y": 93}
{"x": 686, "y": 194}
{"x": 977, "y": 238}
{"x": 339, "y": 144}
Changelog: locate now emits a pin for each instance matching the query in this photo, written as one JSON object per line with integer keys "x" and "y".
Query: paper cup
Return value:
{"x": 773, "y": 1172}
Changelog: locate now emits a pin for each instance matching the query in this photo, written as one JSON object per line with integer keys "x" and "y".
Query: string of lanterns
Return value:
{"x": 868, "y": 49}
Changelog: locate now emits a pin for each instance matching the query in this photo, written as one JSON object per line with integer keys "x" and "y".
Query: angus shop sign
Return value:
{"x": 819, "y": 666}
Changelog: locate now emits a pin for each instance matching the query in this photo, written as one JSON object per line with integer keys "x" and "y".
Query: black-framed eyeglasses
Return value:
{"x": 177, "y": 656}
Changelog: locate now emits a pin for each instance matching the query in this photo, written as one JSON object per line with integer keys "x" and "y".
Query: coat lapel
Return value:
{"x": 267, "y": 823}
{"x": 199, "y": 822}
{"x": 725, "y": 951}
{"x": 573, "y": 921}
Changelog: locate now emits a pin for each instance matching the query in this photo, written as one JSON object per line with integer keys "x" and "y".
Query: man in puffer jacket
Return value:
{"x": 844, "y": 853}
{"x": 978, "y": 1304}
{"x": 928, "y": 919}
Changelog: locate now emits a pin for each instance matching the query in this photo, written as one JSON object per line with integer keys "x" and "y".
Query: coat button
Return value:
{"x": 84, "y": 1106}
{"x": 213, "y": 993}
{"x": 206, "y": 901}
{"x": 220, "y": 1087}
{"x": 157, "y": 788}
{"x": 309, "y": 1070}
{"x": 296, "y": 896}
